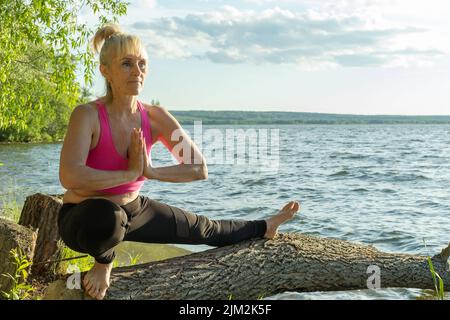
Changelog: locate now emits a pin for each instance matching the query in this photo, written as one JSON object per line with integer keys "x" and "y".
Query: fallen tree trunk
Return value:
{"x": 248, "y": 270}
{"x": 261, "y": 268}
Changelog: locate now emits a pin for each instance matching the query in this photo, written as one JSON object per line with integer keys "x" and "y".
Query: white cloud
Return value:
{"x": 337, "y": 36}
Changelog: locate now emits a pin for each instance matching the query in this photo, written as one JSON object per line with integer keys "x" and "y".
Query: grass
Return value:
{"x": 134, "y": 260}
{"x": 147, "y": 252}
{"x": 81, "y": 264}
{"x": 9, "y": 206}
{"x": 437, "y": 280}
{"x": 127, "y": 254}
{"x": 260, "y": 297}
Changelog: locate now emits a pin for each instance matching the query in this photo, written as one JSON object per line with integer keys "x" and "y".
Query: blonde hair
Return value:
{"x": 110, "y": 42}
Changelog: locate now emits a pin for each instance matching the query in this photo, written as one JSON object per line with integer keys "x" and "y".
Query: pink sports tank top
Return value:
{"x": 105, "y": 156}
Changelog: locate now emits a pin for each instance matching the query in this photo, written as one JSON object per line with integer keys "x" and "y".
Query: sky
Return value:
{"x": 329, "y": 56}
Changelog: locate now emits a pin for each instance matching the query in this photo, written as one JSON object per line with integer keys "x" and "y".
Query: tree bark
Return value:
{"x": 261, "y": 268}
{"x": 292, "y": 262}
{"x": 40, "y": 212}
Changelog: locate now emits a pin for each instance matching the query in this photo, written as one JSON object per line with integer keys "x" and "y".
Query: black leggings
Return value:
{"x": 96, "y": 226}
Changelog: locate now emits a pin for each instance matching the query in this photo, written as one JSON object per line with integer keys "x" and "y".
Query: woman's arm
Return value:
{"x": 73, "y": 172}
{"x": 192, "y": 163}
{"x": 178, "y": 173}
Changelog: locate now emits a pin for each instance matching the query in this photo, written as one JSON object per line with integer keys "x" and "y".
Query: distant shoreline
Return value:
{"x": 280, "y": 118}
{"x": 289, "y": 118}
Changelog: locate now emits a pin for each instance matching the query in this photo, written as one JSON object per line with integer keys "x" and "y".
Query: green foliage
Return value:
{"x": 85, "y": 96}
{"x": 43, "y": 44}
{"x": 20, "y": 289}
{"x": 155, "y": 102}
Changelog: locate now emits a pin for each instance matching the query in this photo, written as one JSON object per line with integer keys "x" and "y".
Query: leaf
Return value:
{"x": 433, "y": 273}
{"x": 24, "y": 274}
{"x": 5, "y": 295}
{"x": 441, "y": 292}
{"x": 7, "y": 275}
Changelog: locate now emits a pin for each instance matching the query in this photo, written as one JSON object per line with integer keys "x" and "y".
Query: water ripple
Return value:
{"x": 339, "y": 173}
{"x": 385, "y": 185}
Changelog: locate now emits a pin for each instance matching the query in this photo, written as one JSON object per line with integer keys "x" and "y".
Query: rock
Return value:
{"x": 12, "y": 236}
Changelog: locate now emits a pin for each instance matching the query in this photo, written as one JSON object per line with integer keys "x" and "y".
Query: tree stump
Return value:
{"x": 40, "y": 212}
{"x": 13, "y": 236}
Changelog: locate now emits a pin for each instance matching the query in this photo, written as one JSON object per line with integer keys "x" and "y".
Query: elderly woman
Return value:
{"x": 105, "y": 161}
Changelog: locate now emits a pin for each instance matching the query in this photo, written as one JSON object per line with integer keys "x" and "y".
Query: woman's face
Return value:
{"x": 126, "y": 74}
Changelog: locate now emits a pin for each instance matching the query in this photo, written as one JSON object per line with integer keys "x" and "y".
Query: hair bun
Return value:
{"x": 103, "y": 34}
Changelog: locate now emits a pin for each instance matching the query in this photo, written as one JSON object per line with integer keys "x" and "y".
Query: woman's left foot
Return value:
{"x": 96, "y": 281}
{"x": 285, "y": 214}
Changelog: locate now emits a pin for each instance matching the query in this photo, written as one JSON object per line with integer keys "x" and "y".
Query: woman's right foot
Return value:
{"x": 285, "y": 214}
{"x": 96, "y": 281}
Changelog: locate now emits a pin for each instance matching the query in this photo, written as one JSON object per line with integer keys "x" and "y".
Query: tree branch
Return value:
{"x": 444, "y": 255}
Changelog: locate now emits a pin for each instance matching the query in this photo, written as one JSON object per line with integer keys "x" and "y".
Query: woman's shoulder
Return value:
{"x": 85, "y": 112}
{"x": 87, "y": 109}
{"x": 152, "y": 107}
{"x": 156, "y": 112}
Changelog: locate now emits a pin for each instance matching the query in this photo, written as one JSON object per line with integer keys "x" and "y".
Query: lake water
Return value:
{"x": 381, "y": 185}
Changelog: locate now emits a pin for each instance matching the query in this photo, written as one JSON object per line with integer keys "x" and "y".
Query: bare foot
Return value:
{"x": 284, "y": 215}
{"x": 96, "y": 281}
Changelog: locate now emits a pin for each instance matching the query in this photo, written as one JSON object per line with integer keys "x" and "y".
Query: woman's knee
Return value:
{"x": 105, "y": 225}
{"x": 107, "y": 217}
